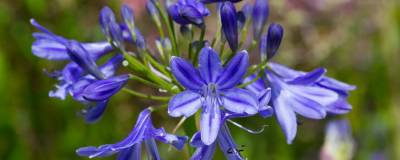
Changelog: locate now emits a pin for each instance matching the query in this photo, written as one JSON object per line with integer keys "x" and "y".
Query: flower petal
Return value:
{"x": 341, "y": 106}
{"x": 204, "y": 152}
{"x": 283, "y": 71}
{"x": 255, "y": 87}
{"x": 286, "y": 119}
{"x": 185, "y": 104}
{"x": 210, "y": 122}
{"x": 138, "y": 133}
{"x": 307, "y": 101}
{"x": 94, "y": 113}
{"x": 177, "y": 141}
{"x": 186, "y": 74}
{"x": 310, "y": 77}
{"x": 151, "y": 148}
{"x": 240, "y": 101}
{"x": 49, "y": 49}
{"x": 227, "y": 145}
{"x": 234, "y": 71}
{"x": 336, "y": 85}
{"x": 133, "y": 152}
{"x": 109, "y": 68}
{"x": 104, "y": 89}
{"x": 209, "y": 64}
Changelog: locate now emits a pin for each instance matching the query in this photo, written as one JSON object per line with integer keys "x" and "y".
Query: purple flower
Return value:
{"x": 130, "y": 147}
{"x": 295, "y": 92}
{"x": 341, "y": 106}
{"x": 230, "y": 24}
{"x": 49, "y": 46}
{"x": 209, "y": 87}
{"x": 260, "y": 17}
{"x": 187, "y": 12}
{"x": 215, "y": 1}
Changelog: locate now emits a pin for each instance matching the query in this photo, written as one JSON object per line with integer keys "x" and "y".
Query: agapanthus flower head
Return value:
{"x": 230, "y": 24}
{"x": 260, "y": 17}
{"x": 130, "y": 147}
{"x": 187, "y": 12}
{"x": 209, "y": 87}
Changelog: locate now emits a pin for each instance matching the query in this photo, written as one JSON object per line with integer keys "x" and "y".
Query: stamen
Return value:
{"x": 248, "y": 130}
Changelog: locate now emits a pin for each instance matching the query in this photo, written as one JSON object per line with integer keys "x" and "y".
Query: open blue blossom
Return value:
{"x": 211, "y": 87}
{"x": 130, "y": 147}
{"x": 187, "y": 12}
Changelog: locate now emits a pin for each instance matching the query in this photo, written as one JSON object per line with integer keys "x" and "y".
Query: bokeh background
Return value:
{"x": 357, "y": 40}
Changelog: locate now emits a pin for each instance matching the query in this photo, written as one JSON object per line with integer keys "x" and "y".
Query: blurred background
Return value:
{"x": 358, "y": 41}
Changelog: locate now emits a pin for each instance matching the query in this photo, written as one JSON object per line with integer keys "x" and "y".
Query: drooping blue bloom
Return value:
{"x": 271, "y": 42}
{"x": 49, "y": 46}
{"x": 260, "y": 17}
{"x": 210, "y": 87}
{"x": 187, "y": 12}
{"x": 295, "y": 92}
{"x": 230, "y": 24}
{"x": 341, "y": 106}
{"x": 215, "y": 1}
{"x": 130, "y": 147}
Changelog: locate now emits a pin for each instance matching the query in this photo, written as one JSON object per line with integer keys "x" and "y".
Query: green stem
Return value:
{"x": 147, "y": 96}
{"x": 144, "y": 81}
{"x": 201, "y": 39}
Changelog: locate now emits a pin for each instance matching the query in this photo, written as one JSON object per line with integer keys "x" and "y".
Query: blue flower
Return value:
{"x": 341, "y": 106}
{"x": 49, "y": 46}
{"x": 311, "y": 95}
{"x": 215, "y": 1}
{"x": 187, "y": 12}
{"x": 211, "y": 87}
{"x": 229, "y": 23}
{"x": 130, "y": 147}
{"x": 260, "y": 17}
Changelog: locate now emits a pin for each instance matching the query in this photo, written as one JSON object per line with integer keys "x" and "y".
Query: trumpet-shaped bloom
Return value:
{"x": 130, "y": 147}
{"x": 49, "y": 46}
{"x": 341, "y": 106}
{"x": 187, "y": 12}
{"x": 295, "y": 92}
{"x": 210, "y": 87}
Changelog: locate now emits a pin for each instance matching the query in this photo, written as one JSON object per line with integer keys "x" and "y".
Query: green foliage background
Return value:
{"x": 357, "y": 40}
